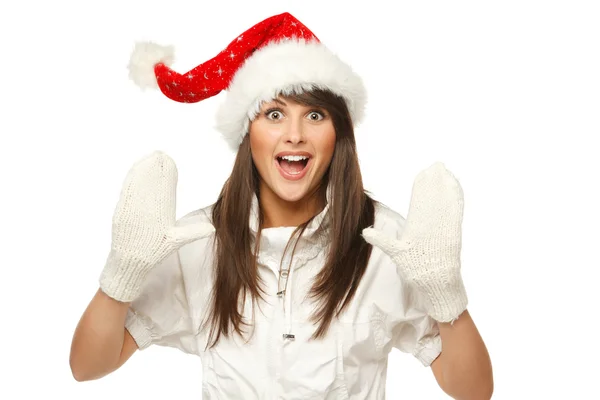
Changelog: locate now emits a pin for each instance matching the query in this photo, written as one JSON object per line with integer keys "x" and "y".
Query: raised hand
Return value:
{"x": 144, "y": 229}
{"x": 428, "y": 253}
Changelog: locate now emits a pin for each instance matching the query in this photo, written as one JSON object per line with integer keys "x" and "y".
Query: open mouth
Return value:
{"x": 293, "y": 165}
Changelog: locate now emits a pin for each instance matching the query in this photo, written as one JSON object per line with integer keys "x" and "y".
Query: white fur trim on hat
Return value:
{"x": 286, "y": 67}
{"x": 144, "y": 57}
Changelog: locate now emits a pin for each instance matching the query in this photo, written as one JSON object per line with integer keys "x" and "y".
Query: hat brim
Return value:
{"x": 286, "y": 67}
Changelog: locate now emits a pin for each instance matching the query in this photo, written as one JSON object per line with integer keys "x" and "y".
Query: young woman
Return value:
{"x": 295, "y": 283}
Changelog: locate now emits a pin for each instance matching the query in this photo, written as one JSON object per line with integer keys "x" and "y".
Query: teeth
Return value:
{"x": 294, "y": 158}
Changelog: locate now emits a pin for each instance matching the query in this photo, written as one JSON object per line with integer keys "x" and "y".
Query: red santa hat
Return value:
{"x": 277, "y": 56}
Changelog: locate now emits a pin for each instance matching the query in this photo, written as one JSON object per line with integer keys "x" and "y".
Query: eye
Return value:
{"x": 274, "y": 115}
{"x": 315, "y": 116}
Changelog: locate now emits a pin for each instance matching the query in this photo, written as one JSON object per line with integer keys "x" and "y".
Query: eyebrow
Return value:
{"x": 280, "y": 102}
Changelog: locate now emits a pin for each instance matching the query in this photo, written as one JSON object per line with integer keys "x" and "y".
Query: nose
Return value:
{"x": 294, "y": 132}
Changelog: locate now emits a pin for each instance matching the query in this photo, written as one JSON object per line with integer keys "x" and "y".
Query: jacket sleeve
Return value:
{"x": 415, "y": 332}
{"x": 407, "y": 325}
{"x": 161, "y": 314}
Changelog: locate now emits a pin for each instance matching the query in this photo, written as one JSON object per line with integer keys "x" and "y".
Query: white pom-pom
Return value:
{"x": 144, "y": 57}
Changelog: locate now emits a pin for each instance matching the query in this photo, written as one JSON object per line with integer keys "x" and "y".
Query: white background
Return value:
{"x": 506, "y": 94}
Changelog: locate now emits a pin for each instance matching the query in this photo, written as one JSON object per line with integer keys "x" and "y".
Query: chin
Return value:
{"x": 291, "y": 194}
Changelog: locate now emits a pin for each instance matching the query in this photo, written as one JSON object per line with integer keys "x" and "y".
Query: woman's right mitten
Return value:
{"x": 144, "y": 230}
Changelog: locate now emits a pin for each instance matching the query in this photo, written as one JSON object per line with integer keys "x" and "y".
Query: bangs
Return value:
{"x": 322, "y": 98}
{"x": 313, "y": 97}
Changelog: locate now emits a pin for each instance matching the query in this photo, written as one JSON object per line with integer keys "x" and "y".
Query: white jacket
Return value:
{"x": 350, "y": 363}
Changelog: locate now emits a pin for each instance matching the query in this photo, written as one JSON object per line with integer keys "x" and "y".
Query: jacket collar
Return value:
{"x": 320, "y": 220}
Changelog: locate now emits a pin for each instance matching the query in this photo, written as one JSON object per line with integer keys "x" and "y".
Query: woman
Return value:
{"x": 295, "y": 283}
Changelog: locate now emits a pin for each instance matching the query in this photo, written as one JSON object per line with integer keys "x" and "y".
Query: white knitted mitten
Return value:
{"x": 428, "y": 253}
{"x": 144, "y": 229}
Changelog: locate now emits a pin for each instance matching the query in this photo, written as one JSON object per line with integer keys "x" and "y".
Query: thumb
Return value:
{"x": 181, "y": 235}
{"x": 392, "y": 247}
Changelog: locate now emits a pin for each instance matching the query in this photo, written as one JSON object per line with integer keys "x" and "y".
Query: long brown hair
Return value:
{"x": 351, "y": 210}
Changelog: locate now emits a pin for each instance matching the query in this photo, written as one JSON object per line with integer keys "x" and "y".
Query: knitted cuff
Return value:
{"x": 122, "y": 278}
{"x": 446, "y": 294}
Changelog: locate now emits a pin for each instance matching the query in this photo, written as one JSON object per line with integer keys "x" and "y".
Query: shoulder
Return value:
{"x": 389, "y": 221}
{"x": 197, "y": 248}
{"x": 196, "y": 257}
{"x": 382, "y": 284}
{"x": 200, "y": 215}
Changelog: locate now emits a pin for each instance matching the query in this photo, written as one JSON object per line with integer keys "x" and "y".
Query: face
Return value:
{"x": 292, "y": 146}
